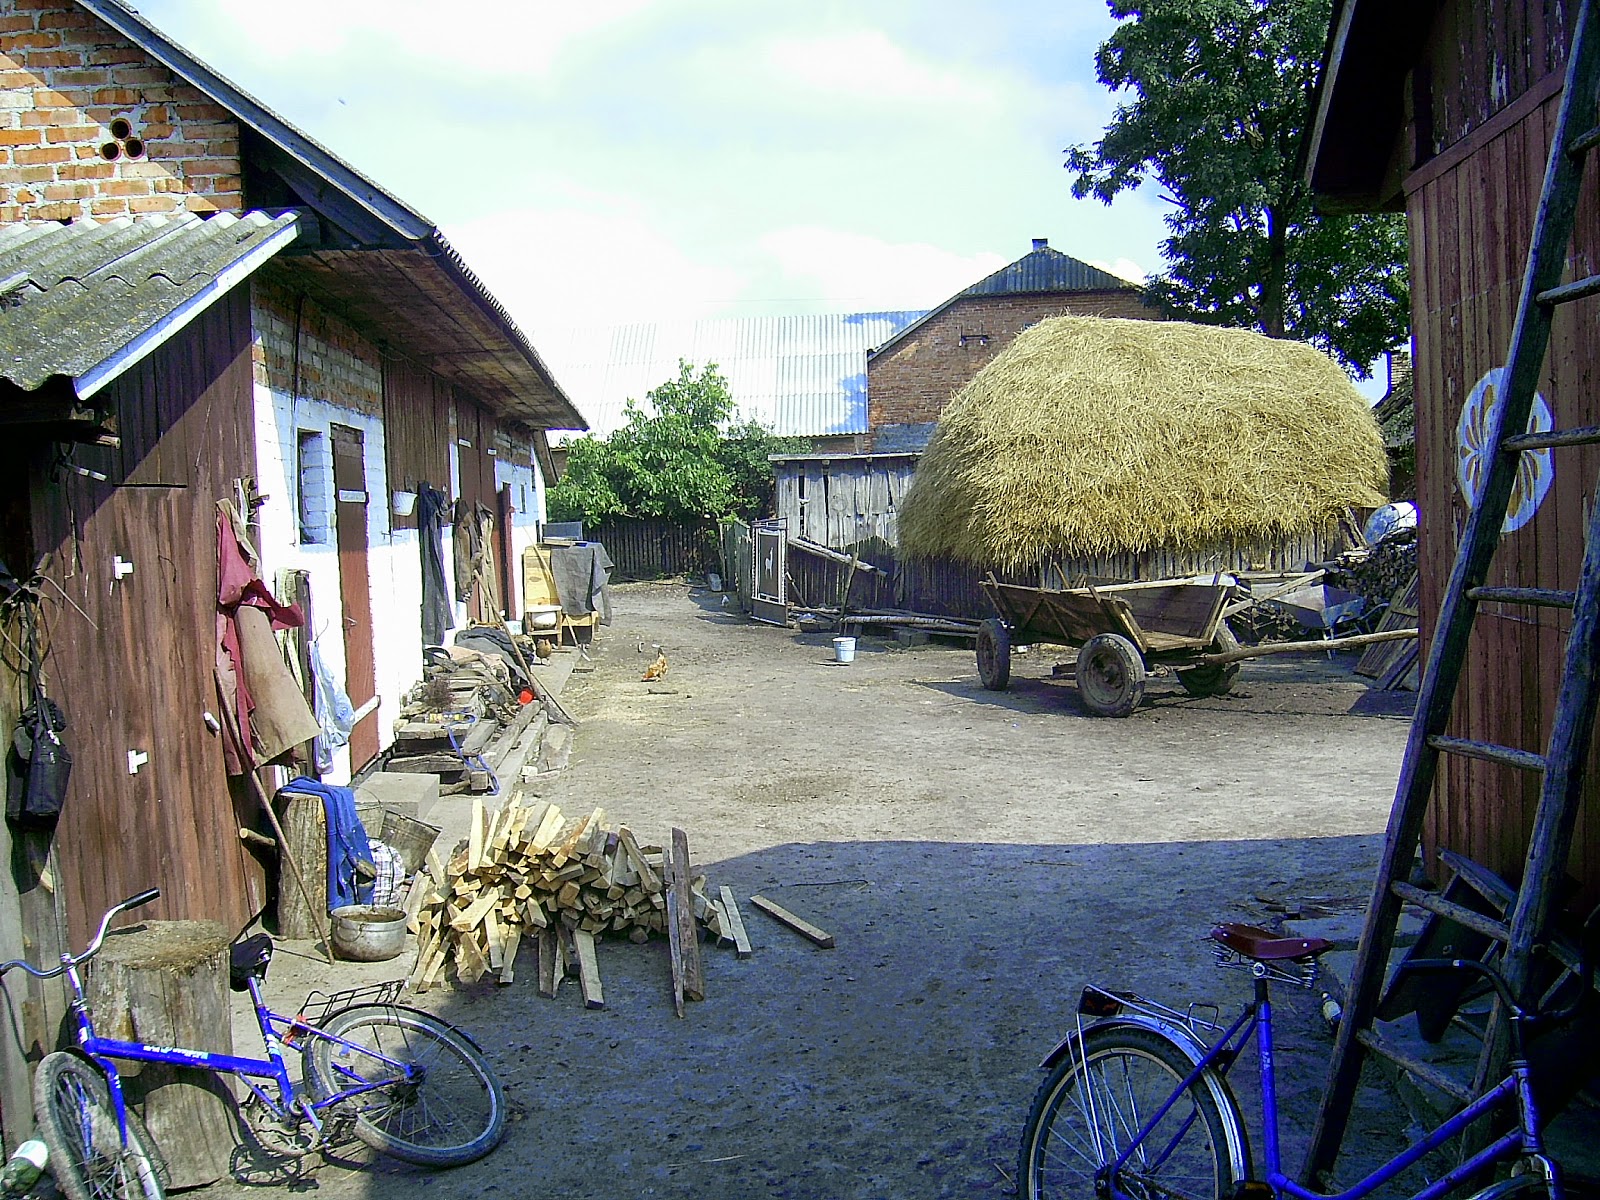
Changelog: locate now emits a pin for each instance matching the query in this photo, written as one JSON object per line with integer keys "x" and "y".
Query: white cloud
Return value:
{"x": 594, "y": 263}
{"x": 866, "y": 63}
{"x": 865, "y": 274}
{"x": 1122, "y": 268}
{"x": 501, "y": 39}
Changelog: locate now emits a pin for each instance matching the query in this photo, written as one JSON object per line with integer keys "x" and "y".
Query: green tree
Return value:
{"x": 1220, "y": 99}
{"x": 672, "y": 458}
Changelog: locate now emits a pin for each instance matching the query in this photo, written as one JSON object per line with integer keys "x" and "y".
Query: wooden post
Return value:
{"x": 305, "y": 825}
{"x": 166, "y": 983}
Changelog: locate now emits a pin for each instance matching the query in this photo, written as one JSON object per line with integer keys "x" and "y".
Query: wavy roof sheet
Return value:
{"x": 804, "y": 376}
{"x": 77, "y": 299}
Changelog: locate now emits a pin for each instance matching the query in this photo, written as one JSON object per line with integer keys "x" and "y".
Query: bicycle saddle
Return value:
{"x": 247, "y": 958}
{"x": 1265, "y": 946}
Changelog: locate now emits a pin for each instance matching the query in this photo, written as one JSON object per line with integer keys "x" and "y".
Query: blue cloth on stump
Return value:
{"x": 347, "y": 841}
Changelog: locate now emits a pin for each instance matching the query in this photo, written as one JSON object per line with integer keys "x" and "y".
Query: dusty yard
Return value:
{"x": 977, "y": 855}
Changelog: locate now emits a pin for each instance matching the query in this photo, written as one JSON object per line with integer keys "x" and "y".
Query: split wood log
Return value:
{"x": 166, "y": 983}
{"x": 694, "y": 980}
{"x": 730, "y": 911}
{"x": 589, "y": 971}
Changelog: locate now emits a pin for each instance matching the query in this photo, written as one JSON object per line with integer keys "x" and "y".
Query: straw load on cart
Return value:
{"x": 1094, "y": 441}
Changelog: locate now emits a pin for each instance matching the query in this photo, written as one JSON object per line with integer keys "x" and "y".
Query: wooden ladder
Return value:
{"x": 1529, "y": 912}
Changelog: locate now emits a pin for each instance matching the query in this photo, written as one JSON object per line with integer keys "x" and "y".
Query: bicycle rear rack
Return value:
{"x": 320, "y": 1005}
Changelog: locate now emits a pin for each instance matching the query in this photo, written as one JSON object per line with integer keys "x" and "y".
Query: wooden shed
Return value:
{"x": 1445, "y": 112}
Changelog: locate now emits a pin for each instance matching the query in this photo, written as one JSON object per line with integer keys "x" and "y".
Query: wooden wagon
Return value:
{"x": 1123, "y": 632}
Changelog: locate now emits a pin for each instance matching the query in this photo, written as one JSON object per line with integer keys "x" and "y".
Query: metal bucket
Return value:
{"x": 844, "y": 649}
{"x": 365, "y": 933}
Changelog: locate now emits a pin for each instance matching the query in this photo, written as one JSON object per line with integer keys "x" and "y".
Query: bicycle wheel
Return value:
{"x": 1531, "y": 1186}
{"x": 451, "y": 1111}
{"x": 79, "y": 1126}
{"x": 1091, "y": 1106}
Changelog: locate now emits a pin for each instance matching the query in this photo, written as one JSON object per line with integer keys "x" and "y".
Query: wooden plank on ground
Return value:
{"x": 694, "y": 979}
{"x": 588, "y": 971}
{"x": 735, "y": 920}
{"x": 799, "y": 924}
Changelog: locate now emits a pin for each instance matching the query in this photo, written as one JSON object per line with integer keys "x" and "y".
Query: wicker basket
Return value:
{"x": 411, "y": 838}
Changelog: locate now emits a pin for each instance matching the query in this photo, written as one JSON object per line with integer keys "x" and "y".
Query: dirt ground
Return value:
{"x": 977, "y": 855}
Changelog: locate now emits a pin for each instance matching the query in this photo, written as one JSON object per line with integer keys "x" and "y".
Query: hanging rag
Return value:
{"x": 438, "y": 616}
{"x": 335, "y": 714}
{"x": 464, "y": 547}
{"x": 347, "y": 841}
{"x": 270, "y": 708}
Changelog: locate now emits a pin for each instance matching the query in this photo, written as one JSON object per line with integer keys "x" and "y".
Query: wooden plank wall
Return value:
{"x": 130, "y": 662}
{"x": 650, "y": 547}
{"x": 844, "y": 501}
{"x": 1470, "y": 227}
{"x": 416, "y": 422}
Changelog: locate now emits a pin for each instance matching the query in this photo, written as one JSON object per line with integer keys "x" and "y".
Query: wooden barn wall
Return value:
{"x": 1470, "y": 227}
{"x": 130, "y": 662}
{"x": 843, "y": 502}
{"x": 474, "y": 440}
{"x": 416, "y": 423}
{"x": 650, "y": 547}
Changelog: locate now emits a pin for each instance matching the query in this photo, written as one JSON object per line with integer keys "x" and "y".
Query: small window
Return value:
{"x": 313, "y": 479}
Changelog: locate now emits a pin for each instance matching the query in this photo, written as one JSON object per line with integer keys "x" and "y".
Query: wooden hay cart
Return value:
{"x": 1123, "y": 632}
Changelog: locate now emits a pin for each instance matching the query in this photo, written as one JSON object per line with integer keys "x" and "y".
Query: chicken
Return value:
{"x": 657, "y": 669}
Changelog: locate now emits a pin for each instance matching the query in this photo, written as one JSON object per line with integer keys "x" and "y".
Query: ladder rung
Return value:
{"x": 1426, "y": 1072}
{"x": 1584, "y": 143}
{"x": 1459, "y": 913}
{"x": 1523, "y": 760}
{"x": 1538, "y": 597}
{"x": 1584, "y": 436}
{"x": 1568, "y": 292}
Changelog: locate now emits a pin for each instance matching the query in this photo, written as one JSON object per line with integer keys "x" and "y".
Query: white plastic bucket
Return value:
{"x": 844, "y": 649}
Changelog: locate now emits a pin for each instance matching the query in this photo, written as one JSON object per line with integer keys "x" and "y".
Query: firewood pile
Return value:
{"x": 529, "y": 871}
{"x": 450, "y": 718}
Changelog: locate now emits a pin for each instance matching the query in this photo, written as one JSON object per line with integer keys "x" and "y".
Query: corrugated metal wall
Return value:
{"x": 1471, "y": 218}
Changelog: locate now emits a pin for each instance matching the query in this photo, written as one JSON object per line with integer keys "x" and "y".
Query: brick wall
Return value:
{"x": 65, "y": 79}
{"x": 909, "y": 384}
{"x": 337, "y": 364}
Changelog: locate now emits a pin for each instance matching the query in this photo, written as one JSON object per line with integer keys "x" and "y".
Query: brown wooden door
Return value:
{"x": 350, "y": 526}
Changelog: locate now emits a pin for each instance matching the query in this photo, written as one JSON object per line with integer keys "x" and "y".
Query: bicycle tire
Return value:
{"x": 1530, "y": 1186}
{"x": 1130, "y": 1073}
{"x": 79, "y": 1127}
{"x": 455, "y": 1114}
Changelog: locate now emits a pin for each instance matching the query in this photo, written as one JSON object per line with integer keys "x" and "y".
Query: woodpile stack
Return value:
{"x": 457, "y": 722}
{"x": 529, "y": 870}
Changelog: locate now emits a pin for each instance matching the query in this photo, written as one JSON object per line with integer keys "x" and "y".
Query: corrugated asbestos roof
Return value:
{"x": 74, "y": 297}
{"x": 803, "y": 376}
{"x": 1040, "y": 270}
{"x": 493, "y": 359}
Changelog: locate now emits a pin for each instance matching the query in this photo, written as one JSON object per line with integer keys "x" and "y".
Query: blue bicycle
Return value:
{"x": 415, "y": 1087}
{"x": 1137, "y": 1105}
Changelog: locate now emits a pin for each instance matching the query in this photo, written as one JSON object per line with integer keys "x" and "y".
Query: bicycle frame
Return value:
{"x": 1256, "y": 1022}
{"x": 104, "y": 1052}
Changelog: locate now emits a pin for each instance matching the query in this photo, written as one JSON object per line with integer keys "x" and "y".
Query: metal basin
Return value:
{"x": 366, "y": 933}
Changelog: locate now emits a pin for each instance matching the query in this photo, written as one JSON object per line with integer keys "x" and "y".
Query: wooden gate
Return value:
{"x": 769, "y": 594}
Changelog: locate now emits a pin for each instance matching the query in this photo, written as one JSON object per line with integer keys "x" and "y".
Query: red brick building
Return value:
{"x": 911, "y": 375}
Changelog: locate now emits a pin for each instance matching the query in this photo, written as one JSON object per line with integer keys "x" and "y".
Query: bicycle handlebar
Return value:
{"x": 93, "y": 948}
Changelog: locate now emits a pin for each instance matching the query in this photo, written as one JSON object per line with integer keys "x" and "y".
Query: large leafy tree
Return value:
{"x": 676, "y": 457}
{"x": 1217, "y": 100}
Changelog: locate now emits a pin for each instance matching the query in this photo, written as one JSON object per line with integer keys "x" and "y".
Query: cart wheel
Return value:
{"x": 1213, "y": 681}
{"x": 1110, "y": 675}
{"x": 994, "y": 654}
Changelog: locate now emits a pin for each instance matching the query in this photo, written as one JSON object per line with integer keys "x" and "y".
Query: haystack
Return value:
{"x": 1092, "y": 435}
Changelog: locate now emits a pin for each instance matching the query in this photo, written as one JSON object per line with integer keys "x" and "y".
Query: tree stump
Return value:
{"x": 166, "y": 983}
{"x": 305, "y": 827}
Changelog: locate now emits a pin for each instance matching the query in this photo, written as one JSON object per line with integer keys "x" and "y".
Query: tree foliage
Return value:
{"x": 1220, "y": 98}
{"x": 677, "y": 457}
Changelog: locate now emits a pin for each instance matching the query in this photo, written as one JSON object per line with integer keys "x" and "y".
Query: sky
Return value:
{"x": 609, "y": 161}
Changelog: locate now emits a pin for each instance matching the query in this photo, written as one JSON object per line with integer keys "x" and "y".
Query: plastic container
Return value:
{"x": 844, "y": 649}
{"x": 23, "y": 1168}
{"x": 364, "y": 933}
{"x": 541, "y": 616}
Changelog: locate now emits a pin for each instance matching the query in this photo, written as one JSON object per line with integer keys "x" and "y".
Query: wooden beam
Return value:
{"x": 799, "y": 924}
{"x": 694, "y": 979}
{"x": 588, "y": 971}
{"x": 735, "y": 927}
